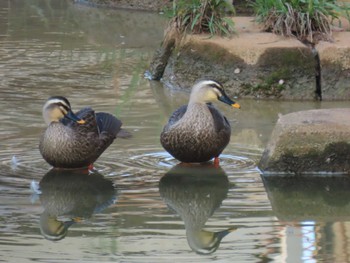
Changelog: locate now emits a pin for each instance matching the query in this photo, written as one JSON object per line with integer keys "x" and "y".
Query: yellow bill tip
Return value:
{"x": 236, "y": 105}
{"x": 77, "y": 219}
{"x": 81, "y": 121}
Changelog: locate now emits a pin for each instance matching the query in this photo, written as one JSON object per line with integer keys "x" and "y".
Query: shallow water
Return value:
{"x": 140, "y": 205}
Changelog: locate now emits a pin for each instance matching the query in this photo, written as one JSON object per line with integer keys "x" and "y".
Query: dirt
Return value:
{"x": 149, "y": 5}
{"x": 241, "y": 7}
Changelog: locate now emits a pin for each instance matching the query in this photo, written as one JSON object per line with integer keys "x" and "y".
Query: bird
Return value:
{"x": 75, "y": 140}
{"x": 198, "y": 132}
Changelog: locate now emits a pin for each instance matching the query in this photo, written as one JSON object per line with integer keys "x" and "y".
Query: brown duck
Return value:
{"x": 75, "y": 140}
{"x": 198, "y": 132}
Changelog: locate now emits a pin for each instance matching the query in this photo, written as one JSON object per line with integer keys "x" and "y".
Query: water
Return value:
{"x": 140, "y": 205}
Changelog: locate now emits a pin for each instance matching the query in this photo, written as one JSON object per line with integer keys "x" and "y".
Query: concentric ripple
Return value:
{"x": 157, "y": 160}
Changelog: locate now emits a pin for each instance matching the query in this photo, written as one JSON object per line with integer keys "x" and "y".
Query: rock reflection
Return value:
{"x": 309, "y": 198}
{"x": 195, "y": 192}
{"x": 314, "y": 213}
{"x": 69, "y": 196}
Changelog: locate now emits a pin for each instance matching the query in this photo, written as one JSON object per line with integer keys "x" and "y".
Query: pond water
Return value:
{"x": 139, "y": 204}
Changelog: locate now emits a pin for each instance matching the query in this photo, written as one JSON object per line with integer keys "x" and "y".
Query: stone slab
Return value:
{"x": 313, "y": 141}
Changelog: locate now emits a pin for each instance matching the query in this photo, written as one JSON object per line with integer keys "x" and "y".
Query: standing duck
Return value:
{"x": 75, "y": 140}
{"x": 198, "y": 132}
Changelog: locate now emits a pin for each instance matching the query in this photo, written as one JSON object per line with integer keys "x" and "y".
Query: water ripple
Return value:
{"x": 158, "y": 160}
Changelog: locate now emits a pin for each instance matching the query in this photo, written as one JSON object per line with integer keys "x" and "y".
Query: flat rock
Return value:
{"x": 310, "y": 141}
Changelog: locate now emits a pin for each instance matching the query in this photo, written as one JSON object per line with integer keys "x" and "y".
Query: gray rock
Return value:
{"x": 310, "y": 141}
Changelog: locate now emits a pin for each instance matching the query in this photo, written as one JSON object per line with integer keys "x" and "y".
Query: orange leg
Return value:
{"x": 91, "y": 167}
{"x": 216, "y": 162}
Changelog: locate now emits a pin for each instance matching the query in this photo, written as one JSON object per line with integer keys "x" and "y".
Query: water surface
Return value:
{"x": 141, "y": 205}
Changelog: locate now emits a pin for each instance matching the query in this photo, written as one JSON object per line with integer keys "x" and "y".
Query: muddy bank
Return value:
{"x": 257, "y": 64}
{"x": 241, "y": 7}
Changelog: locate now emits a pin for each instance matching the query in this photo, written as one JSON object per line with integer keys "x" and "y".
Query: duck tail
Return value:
{"x": 108, "y": 123}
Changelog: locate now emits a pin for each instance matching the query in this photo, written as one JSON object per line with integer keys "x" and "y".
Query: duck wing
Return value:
{"x": 107, "y": 123}
{"x": 220, "y": 122}
{"x": 176, "y": 116}
{"x": 108, "y": 127}
{"x": 100, "y": 128}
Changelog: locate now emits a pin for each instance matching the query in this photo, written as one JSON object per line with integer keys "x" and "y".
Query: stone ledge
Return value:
{"x": 253, "y": 64}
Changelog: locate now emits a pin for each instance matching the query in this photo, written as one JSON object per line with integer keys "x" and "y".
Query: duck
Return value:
{"x": 75, "y": 140}
{"x": 198, "y": 132}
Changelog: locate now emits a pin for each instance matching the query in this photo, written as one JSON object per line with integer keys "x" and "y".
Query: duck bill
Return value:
{"x": 228, "y": 101}
{"x": 74, "y": 220}
{"x": 70, "y": 115}
{"x": 67, "y": 224}
{"x": 224, "y": 233}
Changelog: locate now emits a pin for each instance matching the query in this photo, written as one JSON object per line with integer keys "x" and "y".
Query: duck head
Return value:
{"x": 52, "y": 228}
{"x": 58, "y": 107}
{"x": 209, "y": 90}
{"x": 206, "y": 242}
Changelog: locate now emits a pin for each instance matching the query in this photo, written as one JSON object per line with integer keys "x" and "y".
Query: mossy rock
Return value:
{"x": 311, "y": 141}
{"x": 278, "y": 73}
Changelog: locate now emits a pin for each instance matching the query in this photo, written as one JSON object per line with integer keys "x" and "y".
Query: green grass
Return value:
{"x": 305, "y": 19}
{"x": 202, "y": 16}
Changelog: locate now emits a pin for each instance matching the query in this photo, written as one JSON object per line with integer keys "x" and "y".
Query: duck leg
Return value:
{"x": 91, "y": 167}
{"x": 216, "y": 162}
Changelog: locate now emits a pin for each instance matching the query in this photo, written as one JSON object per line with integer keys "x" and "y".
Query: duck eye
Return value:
{"x": 216, "y": 85}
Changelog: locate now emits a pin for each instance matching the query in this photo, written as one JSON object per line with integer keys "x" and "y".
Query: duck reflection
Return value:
{"x": 69, "y": 196}
{"x": 195, "y": 192}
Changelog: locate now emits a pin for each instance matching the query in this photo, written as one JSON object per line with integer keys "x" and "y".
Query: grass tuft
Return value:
{"x": 202, "y": 16}
{"x": 306, "y": 19}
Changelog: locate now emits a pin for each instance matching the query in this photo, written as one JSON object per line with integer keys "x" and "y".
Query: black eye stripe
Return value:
{"x": 221, "y": 90}
{"x": 60, "y": 98}
{"x": 58, "y": 105}
{"x": 218, "y": 88}
{"x": 64, "y": 106}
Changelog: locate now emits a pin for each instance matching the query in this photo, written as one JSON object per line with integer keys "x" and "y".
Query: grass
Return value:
{"x": 305, "y": 19}
{"x": 202, "y": 16}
